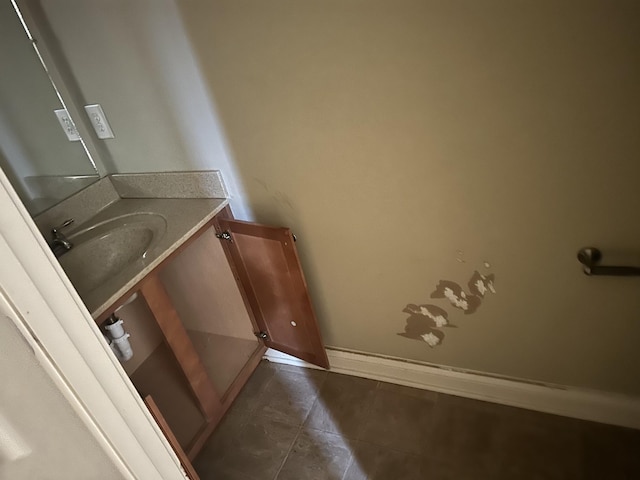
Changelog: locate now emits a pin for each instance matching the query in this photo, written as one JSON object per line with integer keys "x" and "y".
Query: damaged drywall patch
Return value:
{"x": 436, "y": 316}
{"x": 424, "y": 323}
{"x": 432, "y": 339}
{"x": 426, "y": 320}
{"x": 419, "y": 327}
{"x": 480, "y": 284}
{"x": 457, "y": 297}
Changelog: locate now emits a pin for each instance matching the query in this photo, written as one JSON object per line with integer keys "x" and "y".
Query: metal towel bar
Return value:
{"x": 591, "y": 256}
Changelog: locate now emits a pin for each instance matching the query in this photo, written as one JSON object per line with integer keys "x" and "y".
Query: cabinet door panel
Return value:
{"x": 267, "y": 263}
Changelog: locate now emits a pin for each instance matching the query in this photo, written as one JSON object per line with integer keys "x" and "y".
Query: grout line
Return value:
{"x": 284, "y": 460}
{"x": 312, "y": 407}
{"x": 251, "y": 412}
{"x": 346, "y": 470}
{"x": 301, "y": 426}
{"x": 263, "y": 391}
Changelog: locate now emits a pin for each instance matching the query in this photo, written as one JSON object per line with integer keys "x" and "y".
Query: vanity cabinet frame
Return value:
{"x": 266, "y": 268}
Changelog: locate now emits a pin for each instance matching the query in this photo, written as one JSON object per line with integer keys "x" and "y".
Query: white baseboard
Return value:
{"x": 598, "y": 406}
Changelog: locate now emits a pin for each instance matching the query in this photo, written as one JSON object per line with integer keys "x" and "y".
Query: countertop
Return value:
{"x": 184, "y": 218}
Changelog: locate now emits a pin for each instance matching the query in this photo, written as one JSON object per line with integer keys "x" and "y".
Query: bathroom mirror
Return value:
{"x": 43, "y": 165}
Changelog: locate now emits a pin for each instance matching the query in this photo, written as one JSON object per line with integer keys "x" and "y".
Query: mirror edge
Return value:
{"x": 47, "y": 49}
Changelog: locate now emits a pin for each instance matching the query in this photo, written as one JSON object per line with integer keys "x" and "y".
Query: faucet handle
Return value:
{"x": 64, "y": 224}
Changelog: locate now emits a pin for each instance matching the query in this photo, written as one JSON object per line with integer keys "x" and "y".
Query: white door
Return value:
{"x": 41, "y": 436}
{"x": 67, "y": 408}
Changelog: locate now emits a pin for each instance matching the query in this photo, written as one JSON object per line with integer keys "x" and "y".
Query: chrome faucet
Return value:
{"x": 60, "y": 241}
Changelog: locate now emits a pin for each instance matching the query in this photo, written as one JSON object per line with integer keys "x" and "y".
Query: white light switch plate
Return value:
{"x": 99, "y": 121}
{"x": 67, "y": 125}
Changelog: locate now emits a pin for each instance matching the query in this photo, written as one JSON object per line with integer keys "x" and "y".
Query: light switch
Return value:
{"x": 67, "y": 125}
{"x": 99, "y": 121}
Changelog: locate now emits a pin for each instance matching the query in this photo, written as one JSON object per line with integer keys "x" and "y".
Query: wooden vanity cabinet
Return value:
{"x": 213, "y": 307}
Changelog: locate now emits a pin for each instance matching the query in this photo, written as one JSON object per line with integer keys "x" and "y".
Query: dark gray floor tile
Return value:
{"x": 251, "y": 394}
{"x": 463, "y": 469}
{"x": 371, "y": 462}
{"x": 538, "y": 446}
{"x": 255, "y": 449}
{"x": 317, "y": 455}
{"x": 412, "y": 392}
{"x": 364, "y": 462}
{"x": 399, "y": 421}
{"x": 464, "y": 439}
{"x": 210, "y": 473}
{"x": 403, "y": 434}
{"x": 503, "y": 411}
{"x": 610, "y": 452}
{"x": 290, "y": 395}
{"x": 342, "y": 405}
{"x": 396, "y": 465}
{"x": 283, "y": 367}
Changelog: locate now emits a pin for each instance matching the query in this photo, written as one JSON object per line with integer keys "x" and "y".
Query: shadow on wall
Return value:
{"x": 426, "y": 320}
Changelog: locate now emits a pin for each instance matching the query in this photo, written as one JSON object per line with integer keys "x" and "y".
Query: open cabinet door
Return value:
{"x": 267, "y": 263}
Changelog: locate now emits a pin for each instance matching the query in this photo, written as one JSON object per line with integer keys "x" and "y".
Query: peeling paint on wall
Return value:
{"x": 437, "y": 315}
{"x": 425, "y": 320}
{"x": 456, "y": 296}
{"x": 481, "y": 284}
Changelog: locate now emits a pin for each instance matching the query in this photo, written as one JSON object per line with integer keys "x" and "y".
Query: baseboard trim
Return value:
{"x": 598, "y": 406}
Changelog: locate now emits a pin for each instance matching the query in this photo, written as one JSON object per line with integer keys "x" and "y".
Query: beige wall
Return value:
{"x": 407, "y": 143}
{"x": 390, "y": 135}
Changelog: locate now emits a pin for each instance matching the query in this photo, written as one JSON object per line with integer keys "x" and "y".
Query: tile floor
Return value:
{"x": 291, "y": 423}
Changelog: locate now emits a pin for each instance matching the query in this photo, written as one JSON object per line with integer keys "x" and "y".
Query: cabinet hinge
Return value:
{"x": 224, "y": 236}
{"x": 261, "y": 335}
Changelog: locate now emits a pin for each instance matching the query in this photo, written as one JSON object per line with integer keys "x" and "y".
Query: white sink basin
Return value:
{"x": 107, "y": 249}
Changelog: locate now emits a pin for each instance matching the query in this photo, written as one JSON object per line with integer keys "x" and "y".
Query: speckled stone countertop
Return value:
{"x": 184, "y": 218}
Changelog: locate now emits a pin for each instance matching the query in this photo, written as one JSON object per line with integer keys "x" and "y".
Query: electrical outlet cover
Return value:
{"x": 99, "y": 121}
{"x": 67, "y": 125}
